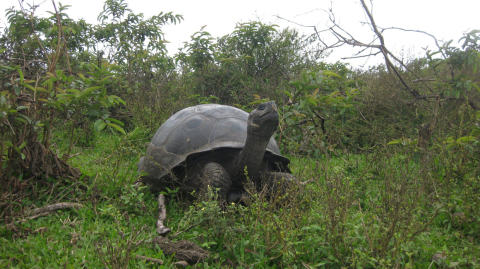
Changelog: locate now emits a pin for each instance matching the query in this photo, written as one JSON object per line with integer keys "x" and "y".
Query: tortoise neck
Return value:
{"x": 251, "y": 156}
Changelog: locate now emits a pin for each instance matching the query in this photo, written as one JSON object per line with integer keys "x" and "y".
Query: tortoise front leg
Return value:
{"x": 215, "y": 176}
{"x": 277, "y": 182}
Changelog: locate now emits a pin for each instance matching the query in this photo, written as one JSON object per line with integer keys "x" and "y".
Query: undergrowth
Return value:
{"x": 359, "y": 211}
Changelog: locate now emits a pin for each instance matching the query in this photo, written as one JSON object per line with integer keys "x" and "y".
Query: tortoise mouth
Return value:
{"x": 264, "y": 126}
{"x": 270, "y": 114}
{"x": 269, "y": 119}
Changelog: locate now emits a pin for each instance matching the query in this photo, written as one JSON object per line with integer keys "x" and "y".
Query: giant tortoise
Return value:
{"x": 213, "y": 145}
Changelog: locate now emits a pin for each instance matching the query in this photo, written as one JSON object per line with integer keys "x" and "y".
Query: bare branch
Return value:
{"x": 382, "y": 41}
{"x": 417, "y": 31}
{"x": 423, "y": 79}
{"x": 148, "y": 259}
{"x": 54, "y": 207}
{"x": 314, "y": 28}
{"x": 161, "y": 229}
{"x": 361, "y": 56}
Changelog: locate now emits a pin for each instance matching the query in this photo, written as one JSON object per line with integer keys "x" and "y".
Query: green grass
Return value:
{"x": 339, "y": 220}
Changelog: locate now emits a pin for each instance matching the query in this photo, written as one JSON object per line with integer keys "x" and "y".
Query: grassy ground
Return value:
{"x": 363, "y": 211}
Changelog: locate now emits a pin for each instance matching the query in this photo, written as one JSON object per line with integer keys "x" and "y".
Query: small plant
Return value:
{"x": 315, "y": 99}
{"x": 133, "y": 198}
{"x": 110, "y": 211}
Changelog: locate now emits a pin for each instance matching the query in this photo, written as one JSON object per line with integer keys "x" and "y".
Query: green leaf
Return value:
{"x": 22, "y": 145}
{"x": 89, "y": 90}
{"x": 121, "y": 101}
{"x": 288, "y": 94}
{"x": 330, "y": 73}
{"x": 305, "y": 78}
{"x": 310, "y": 87}
{"x": 118, "y": 128}
{"x": 21, "y": 107}
{"x": 28, "y": 86}
{"x": 59, "y": 73}
{"x": 453, "y": 264}
{"x": 99, "y": 124}
{"x": 24, "y": 118}
{"x": 321, "y": 264}
{"x": 297, "y": 84}
{"x": 17, "y": 90}
{"x": 312, "y": 227}
{"x": 465, "y": 139}
{"x": 21, "y": 75}
{"x": 77, "y": 93}
{"x": 20, "y": 119}
{"x": 319, "y": 78}
{"x": 311, "y": 101}
{"x": 8, "y": 144}
{"x": 456, "y": 94}
{"x": 116, "y": 121}
{"x": 40, "y": 89}
{"x": 476, "y": 86}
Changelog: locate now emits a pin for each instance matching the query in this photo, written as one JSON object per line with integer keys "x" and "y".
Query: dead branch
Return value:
{"x": 423, "y": 79}
{"x": 303, "y": 183}
{"x": 345, "y": 38}
{"x": 181, "y": 263}
{"x": 161, "y": 229}
{"x": 43, "y": 211}
{"x": 309, "y": 26}
{"x": 304, "y": 121}
{"x": 179, "y": 233}
{"x": 322, "y": 121}
{"x": 27, "y": 61}
{"x": 148, "y": 259}
{"x": 416, "y": 31}
{"x": 361, "y": 56}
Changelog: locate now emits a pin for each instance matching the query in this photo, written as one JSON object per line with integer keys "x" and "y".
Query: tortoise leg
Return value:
{"x": 273, "y": 183}
{"x": 285, "y": 176}
{"x": 215, "y": 176}
{"x": 277, "y": 182}
{"x": 235, "y": 196}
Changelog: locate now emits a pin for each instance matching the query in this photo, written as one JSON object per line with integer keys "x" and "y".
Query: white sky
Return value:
{"x": 444, "y": 19}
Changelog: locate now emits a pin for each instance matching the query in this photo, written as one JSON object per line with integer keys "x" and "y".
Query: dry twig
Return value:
{"x": 43, "y": 211}
{"x": 161, "y": 229}
{"x": 148, "y": 259}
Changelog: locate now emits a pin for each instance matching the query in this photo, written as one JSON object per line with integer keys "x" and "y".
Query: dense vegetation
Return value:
{"x": 392, "y": 152}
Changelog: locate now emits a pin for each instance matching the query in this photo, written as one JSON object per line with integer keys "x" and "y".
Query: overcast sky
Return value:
{"x": 444, "y": 19}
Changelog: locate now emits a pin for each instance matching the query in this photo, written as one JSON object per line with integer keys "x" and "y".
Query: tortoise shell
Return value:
{"x": 200, "y": 129}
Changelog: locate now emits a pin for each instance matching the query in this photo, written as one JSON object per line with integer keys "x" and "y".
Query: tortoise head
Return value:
{"x": 263, "y": 121}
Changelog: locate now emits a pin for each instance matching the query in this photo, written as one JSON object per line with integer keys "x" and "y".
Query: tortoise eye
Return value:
{"x": 261, "y": 107}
